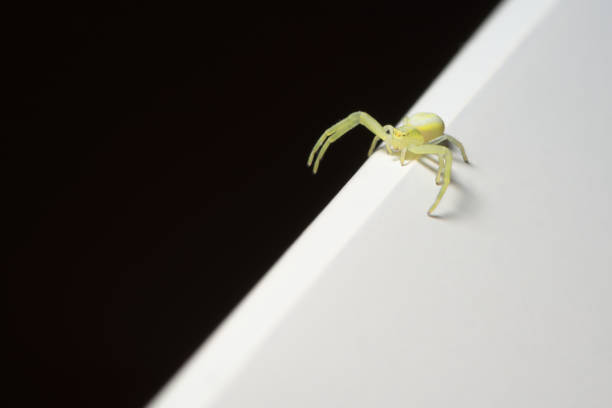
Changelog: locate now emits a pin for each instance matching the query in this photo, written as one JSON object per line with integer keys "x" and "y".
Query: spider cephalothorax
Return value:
{"x": 420, "y": 135}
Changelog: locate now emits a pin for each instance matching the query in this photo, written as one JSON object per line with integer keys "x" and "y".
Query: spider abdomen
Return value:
{"x": 429, "y": 125}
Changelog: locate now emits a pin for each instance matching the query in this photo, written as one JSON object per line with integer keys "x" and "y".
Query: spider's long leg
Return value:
{"x": 339, "y": 129}
{"x": 441, "y": 166}
{"x": 329, "y": 141}
{"x": 444, "y": 154}
{"x": 372, "y": 146}
{"x": 454, "y": 141}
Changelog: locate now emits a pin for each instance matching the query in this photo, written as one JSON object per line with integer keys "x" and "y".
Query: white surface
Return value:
{"x": 501, "y": 302}
{"x": 504, "y": 302}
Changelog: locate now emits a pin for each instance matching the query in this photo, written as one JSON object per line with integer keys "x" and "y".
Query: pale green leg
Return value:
{"x": 373, "y": 145}
{"x": 339, "y": 129}
{"x": 453, "y": 141}
{"x": 335, "y": 135}
{"x": 343, "y": 126}
{"x": 403, "y": 155}
{"x": 441, "y": 151}
{"x": 457, "y": 144}
{"x": 440, "y": 169}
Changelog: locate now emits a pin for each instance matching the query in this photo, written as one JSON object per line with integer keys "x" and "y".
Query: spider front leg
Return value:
{"x": 373, "y": 145}
{"x": 444, "y": 155}
{"x": 338, "y": 130}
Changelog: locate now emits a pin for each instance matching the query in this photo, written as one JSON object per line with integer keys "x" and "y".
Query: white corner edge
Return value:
{"x": 204, "y": 377}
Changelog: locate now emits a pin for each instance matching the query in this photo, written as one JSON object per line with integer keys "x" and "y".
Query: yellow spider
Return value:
{"x": 418, "y": 136}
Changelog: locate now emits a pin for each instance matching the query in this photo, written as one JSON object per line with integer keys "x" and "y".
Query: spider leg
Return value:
{"x": 373, "y": 146}
{"x": 329, "y": 141}
{"x": 339, "y": 129}
{"x": 440, "y": 168}
{"x": 403, "y": 155}
{"x": 444, "y": 155}
{"x": 453, "y": 141}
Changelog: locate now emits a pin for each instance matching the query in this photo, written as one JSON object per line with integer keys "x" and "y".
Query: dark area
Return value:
{"x": 156, "y": 169}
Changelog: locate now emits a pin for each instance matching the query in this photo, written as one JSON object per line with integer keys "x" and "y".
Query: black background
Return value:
{"x": 156, "y": 168}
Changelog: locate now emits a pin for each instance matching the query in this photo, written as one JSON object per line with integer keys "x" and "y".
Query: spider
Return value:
{"x": 420, "y": 135}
